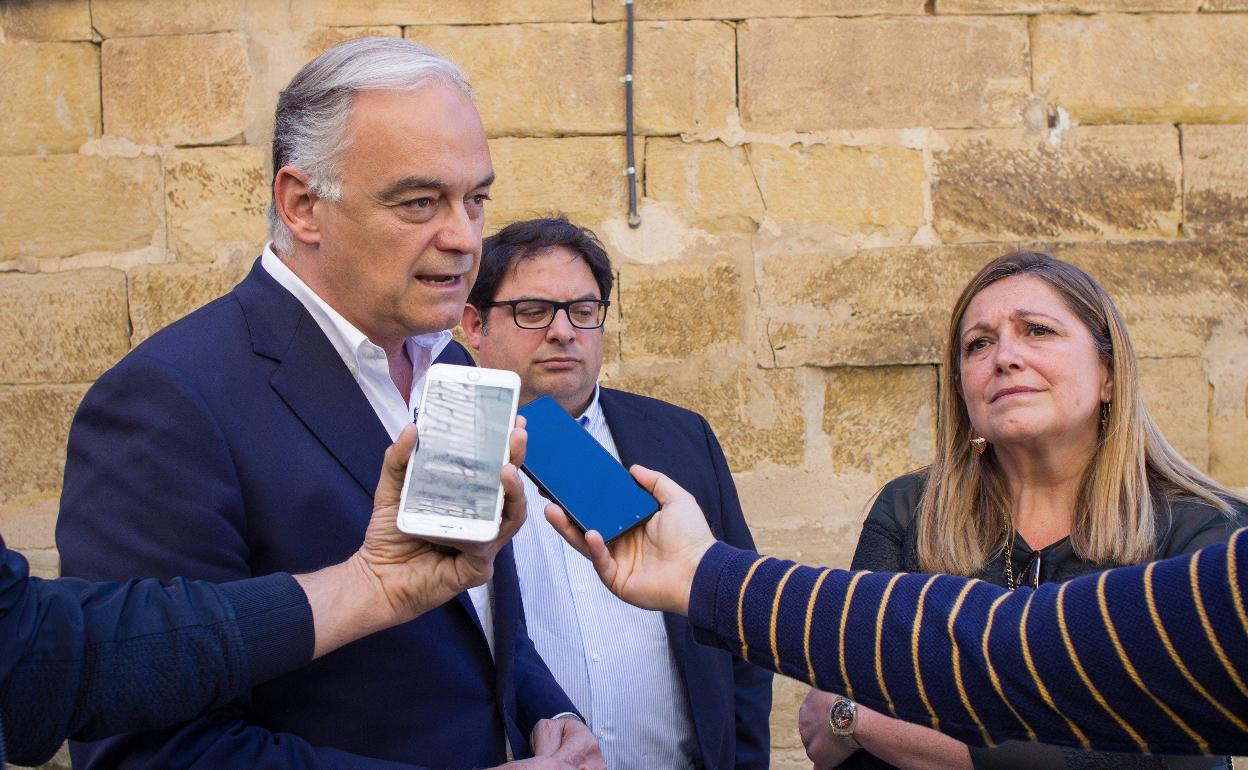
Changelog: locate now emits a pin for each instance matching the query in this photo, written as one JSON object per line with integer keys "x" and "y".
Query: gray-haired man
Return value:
{"x": 262, "y": 419}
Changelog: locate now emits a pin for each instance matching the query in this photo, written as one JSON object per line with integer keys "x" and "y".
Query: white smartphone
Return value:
{"x": 453, "y": 489}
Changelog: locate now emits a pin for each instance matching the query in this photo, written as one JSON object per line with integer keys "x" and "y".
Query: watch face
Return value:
{"x": 842, "y": 716}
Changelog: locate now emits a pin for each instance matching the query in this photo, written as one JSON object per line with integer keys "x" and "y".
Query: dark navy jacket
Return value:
{"x": 729, "y": 699}
{"x": 92, "y": 659}
{"x": 233, "y": 443}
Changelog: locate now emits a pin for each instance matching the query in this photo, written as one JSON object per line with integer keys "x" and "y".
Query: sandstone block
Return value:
{"x": 63, "y": 327}
{"x": 1226, "y": 364}
{"x": 51, "y": 98}
{"x": 680, "y": 309}
{"x": 36, "y": 420}
{"x": 318, "y": 41}
{"x": 215, "y": 199}
{"x": 1224, "y": 5}
{"x": 582, "y": 177}
{"x": 1215, "y": 180}
{"x": 161, "y": 294}
{"x": 1064, "y": 6}
{"x": 881, "y": 419}
{"x": 756, "y": 414}
{"x": 1124, "y": 68}
{"x": 61, "y": 205}
{"x": 176, "y": 89}
{"x": 45, "y": 20}
{"x": 612, "y": 10}
{"x": 861, "y": 191}
{"x": 1176, "y": 391}
{"x": 825, "y": 73}
{"x": 869, "y": 308}
{"x": 341, "y": 13}
{"x": 560, "y": 79}
{"x": 709, "y": 184}
{"x": 1099, "y": 182}
{"x": 134, "y": 18}
{"x": 1172, "y": 294}
{"x": 30, "y": 522}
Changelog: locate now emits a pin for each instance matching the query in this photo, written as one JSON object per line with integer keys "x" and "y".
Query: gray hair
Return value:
{"x": 310, "y": 124}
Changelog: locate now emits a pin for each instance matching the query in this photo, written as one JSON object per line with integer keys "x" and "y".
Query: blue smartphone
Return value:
{"x": 574, "y": 471}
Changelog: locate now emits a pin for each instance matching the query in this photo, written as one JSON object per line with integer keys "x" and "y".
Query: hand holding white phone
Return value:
{"x": 453, "y": 489}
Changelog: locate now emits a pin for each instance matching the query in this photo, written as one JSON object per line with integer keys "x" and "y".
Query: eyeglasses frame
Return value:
{"x": 566, "y": 307}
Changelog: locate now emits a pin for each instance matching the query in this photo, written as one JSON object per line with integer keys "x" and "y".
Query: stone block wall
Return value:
{"x": 818, "y": 179}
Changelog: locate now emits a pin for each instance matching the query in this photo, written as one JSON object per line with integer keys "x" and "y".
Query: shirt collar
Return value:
{"x": 592, "y": 415}
{"x": 342, "y": 334}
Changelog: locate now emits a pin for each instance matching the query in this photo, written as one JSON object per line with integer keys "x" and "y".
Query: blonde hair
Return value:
{"x": 1134, "y": 473}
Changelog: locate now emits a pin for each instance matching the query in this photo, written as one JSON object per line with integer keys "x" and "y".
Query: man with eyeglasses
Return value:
{"x": 653, "y": 697}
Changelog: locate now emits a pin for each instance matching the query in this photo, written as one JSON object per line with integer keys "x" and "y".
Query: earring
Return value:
{"x": 979, "y": 444}
{"x": 1106, "y": 410}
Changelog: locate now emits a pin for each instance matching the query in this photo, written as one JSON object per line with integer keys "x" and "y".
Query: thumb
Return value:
{"x": 660, "y": 486}
{"x": 393, "y": 466}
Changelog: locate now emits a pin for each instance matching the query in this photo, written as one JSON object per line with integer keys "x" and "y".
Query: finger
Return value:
{"x": 661, "y": 487}
{"x": 517, "y": 443}
{"x": 569, "y": 531}
{"x": 600, "y": 555}
{"x": 393, "y": 466}
{"x": 515, "y": 508}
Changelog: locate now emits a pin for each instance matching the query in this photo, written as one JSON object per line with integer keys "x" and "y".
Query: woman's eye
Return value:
{"x": 979, "y": 343}
{"x": 1036, "y": 330}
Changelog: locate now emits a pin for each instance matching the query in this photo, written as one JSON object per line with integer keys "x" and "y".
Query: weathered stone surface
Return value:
{"x": 1098, "y": 182}
{"x": 51, "y": 98}
{"x": 872, "y": 190}
{"x": 708, "y": 184}
{"x": 1215, "y": 180}
{"x": 30, "y": 521}
{"x": 1226, "y": 364}
{"x": 318, "y": 41}
{"x": 216, "y": 197}
{"x": 613, "y": 10}
{"x": 64, "y": 327}
{"x": 1124, "y": 68}
{"x": 1064, "y": 6}
{"x": 680, "y": 309}
{"x": 45, "y": 20}
{"x": 1224, "y": 5}
{"x": 338, "y": 13}
{"x": 1176, "y": 391}
{"x": 133, "y": 18}
{"x": 570, "y": 81}
{"x": 813, "y": 74}
{"x": 582, "y": 177}
{"x": 60, "y": 205}
{"x": 161, "y": 294}
{"x": 873, "y": 307}
{"x": 176, "y": 89}
{"x": 756, "y": 414}
{"x": 881, "y": 419}
{"x": 34, "y": 424}
{"x": 1172, "y": 294}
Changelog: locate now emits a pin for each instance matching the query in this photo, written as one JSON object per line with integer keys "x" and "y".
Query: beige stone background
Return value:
{"x": 818, "y": 180}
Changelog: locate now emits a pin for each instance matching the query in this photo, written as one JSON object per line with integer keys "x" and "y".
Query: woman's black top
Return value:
{"x": 888, "y": 544}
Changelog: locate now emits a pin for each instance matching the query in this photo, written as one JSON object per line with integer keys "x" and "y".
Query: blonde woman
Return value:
{"x": 1048, "y": 467}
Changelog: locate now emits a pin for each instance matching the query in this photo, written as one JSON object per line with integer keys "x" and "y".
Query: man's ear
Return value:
{"x": 473, "y": 324}
{"x": 296, "y": 204}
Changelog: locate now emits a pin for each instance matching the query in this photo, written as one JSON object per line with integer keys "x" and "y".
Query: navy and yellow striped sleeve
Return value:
{"x": 1150, "y": 658}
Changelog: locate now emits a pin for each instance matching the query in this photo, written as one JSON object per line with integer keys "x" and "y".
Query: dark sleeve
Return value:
{"x": 92, "y": 659}
{"x": 752, "y": 685}
{"x": 882, "y": 544}
{"x": 150, "y": 490}
{"x": 1139, "y": 658}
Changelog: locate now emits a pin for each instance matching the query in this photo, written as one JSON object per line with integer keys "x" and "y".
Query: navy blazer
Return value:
{"x": 233, "y": 443}
{"x": 729, "y": 699}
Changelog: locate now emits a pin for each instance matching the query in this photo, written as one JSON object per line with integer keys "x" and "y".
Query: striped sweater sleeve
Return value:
{"x": 1150, "y": 658}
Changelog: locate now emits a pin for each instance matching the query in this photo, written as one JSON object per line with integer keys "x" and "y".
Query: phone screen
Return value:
{"x": 463, "y": 439}
{"x": 573, "y": 470}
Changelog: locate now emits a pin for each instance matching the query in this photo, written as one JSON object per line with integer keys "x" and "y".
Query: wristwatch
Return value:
{"x": 844, "y": 718}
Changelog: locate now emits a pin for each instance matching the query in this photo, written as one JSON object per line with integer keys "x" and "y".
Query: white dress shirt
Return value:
{"x": 368, "y": 364}
{"x": 612, "y": 659}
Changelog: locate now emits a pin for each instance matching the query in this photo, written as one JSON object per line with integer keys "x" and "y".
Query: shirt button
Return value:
{"x": 602, "y": 733}
{"x": 596, "y": 658}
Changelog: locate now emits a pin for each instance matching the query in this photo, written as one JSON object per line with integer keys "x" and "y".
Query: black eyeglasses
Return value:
{"x": 540, "y": 313}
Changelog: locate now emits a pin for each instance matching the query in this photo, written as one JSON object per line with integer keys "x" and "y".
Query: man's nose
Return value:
{"x": 561, "y": 327}
{"x": 459, "y": 232}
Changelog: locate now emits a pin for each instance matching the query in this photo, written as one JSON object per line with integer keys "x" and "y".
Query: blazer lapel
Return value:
{"x": 636, "y": 437}
{"x": 312, "y": 378}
